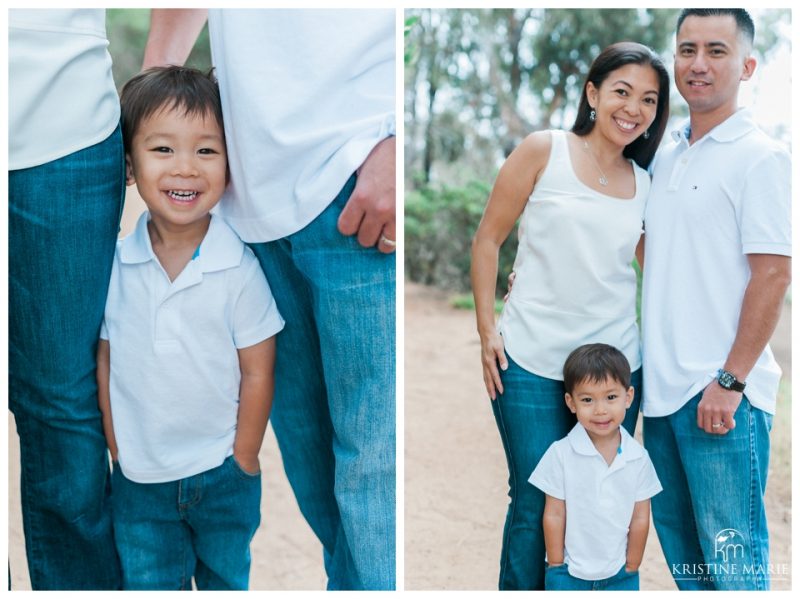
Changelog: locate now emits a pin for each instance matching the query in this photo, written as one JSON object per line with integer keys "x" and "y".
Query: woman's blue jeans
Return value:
{"x": 531, "y": 415}
{"x": 710, "y": 517}
{"x": 63, "y": 220}
{"x": 334, "y": 407}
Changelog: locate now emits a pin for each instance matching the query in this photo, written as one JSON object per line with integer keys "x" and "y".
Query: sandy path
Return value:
{"x": 285, "y": 553}
{"x": 455, "y": 473}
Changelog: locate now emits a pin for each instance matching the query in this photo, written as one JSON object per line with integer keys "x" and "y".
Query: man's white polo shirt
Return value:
{"x": 599, "y": 498}
{"x": 711, "y": 204}
{"x": 174, "y": 364}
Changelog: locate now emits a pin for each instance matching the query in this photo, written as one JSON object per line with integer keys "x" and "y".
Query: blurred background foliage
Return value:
{"x": 477, "y": 82}
{"x": 127, "y": 33}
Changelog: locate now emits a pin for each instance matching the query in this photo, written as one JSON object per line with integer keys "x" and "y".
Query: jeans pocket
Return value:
{"x": 242, "y": 472}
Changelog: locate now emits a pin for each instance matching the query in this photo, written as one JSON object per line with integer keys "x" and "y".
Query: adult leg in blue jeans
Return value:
{"x": 723, "y": 478}
{"x": 531, "y": 415}
{"x": 62, "y": 229}
{"x": 334, "y": 407}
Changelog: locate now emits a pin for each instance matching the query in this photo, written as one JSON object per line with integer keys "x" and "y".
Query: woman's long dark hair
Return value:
{"x": 618, "y": 55}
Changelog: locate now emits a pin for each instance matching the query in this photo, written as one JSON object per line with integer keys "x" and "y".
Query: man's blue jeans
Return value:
{"x": 710, "y": 517}
{"x": 198, "y": 527}
{"x": 558, "y": 578}
{"x": 63, "y": 219}
{"x": 531, "y": 415}
{"x": 334, "y": 407}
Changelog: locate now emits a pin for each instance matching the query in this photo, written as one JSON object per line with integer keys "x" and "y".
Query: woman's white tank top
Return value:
{"x": 575, "y": 283}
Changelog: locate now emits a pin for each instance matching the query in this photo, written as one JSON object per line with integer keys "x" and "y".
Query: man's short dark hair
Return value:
{"x": 744, "y": 22}
{"x": 596, "y": 362}
{"x": 170, "y": 87}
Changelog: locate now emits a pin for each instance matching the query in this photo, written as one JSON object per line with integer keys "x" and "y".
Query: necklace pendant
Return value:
{"x": 603, "y": 181}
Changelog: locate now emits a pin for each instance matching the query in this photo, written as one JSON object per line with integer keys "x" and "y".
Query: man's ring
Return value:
{"x": 388, "y": 241}
{"x": 716, "y": 425}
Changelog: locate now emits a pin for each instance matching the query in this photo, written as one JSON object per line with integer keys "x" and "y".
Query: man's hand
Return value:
{"x": 511, "y": 276}
{"x": 370, "y": 211}
{"x": 716, "y": 409}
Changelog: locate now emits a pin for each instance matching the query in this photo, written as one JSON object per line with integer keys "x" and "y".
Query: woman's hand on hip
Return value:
{"x": 493, "y": 353}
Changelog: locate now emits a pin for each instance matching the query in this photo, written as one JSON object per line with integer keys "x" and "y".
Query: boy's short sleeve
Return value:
{"x": 648, "y": 484}
{"x": 104, "y": 331}
{"x": 255, "y": 316}
{"x": 548, "y": 476}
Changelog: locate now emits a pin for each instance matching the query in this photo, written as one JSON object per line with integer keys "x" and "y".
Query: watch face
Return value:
{"x": 726, "y": 379}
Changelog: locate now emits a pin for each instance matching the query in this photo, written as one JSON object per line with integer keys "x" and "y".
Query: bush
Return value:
{"x": 439, "y": 226}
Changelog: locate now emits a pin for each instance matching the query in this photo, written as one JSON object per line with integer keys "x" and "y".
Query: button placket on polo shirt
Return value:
{"x": 168, "y": 308}
{"x": 681, "y": 165}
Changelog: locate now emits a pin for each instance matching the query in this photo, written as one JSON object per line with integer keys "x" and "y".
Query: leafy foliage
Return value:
{"x": 439, "y": 225}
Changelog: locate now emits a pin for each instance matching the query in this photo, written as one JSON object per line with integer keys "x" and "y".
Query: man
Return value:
{"x": 718, "y": 249}
{"x": 308, "y": 101}
{"x": 66, "y": 185}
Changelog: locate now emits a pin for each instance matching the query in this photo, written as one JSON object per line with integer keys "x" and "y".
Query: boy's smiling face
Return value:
{"x": 600, "y": 405}
{"x": 179, "y": 165}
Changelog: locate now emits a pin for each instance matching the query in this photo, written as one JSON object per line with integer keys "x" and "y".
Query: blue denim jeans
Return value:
{"x": 558, "y": 578}
{"x": 334, "y": 407}
{"x": 531, "y": 415}
{"x": 63, "y": 219}
{"x": 198, "y": 527}
{"x": 710, "y": 517}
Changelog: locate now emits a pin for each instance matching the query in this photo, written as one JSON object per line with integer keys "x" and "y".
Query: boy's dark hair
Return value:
{"x": 171, "y": 87}
{"x": 615, "y": 56}
{"x": 596, "y": 362}
{"x": 744, "y": 22}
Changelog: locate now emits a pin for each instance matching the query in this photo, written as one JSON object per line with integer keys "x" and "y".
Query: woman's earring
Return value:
{"x": 593, "y": 115}
{"x": 646, "y": 134}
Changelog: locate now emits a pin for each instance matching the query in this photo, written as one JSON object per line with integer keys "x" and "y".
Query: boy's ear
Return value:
{"x": 570, "y": 402}
{"x": 629, "y": 397}
{"x": 129, "y": 178}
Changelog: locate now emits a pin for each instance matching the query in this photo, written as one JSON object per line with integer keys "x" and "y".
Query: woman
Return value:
{"x": 581, "y": 195}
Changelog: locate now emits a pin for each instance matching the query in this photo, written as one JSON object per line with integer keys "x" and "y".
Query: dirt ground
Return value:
{"x": 455, "y": 471}
{"x": 285, "y": 553}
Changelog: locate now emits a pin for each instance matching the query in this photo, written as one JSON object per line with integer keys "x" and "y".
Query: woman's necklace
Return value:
{"x": 603, "y": 179}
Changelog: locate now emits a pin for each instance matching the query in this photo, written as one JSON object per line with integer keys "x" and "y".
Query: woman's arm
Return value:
{"x": 637, "y": 535}
{"x": 257, "y": 364}
{"x": 554, "y": 523}
{"x": 172, "y": 35}
{"x": 511, "y": 190}
{"x": 103, "y": 394}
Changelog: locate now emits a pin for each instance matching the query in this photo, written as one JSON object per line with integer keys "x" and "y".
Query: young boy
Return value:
{"x": 602, "y": 475}
{"x": 185, "y": 360}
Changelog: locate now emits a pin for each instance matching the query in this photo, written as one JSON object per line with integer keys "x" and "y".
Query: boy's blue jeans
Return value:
{"x": 531, "y": 415}
{"x": 334, "y": 407}
{"x": 200, "y": 526}
{"x": 63, "y": 219}
{"x": 558, "y": 578}
{"x": 710, "y": 517}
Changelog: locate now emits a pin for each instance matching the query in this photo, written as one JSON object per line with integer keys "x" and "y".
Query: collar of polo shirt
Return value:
{"x": 219, "y": 250}
{"x": 731, "y": 129}
{"x": 581, "y": 443}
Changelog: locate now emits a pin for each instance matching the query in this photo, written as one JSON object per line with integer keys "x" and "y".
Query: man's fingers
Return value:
{"x": 350, "y": 219}
{"x": 387, "y": 243}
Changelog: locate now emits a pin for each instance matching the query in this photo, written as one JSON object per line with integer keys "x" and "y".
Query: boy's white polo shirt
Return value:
{"x": 175, "y": 375}
{"x": 599, "y": 498}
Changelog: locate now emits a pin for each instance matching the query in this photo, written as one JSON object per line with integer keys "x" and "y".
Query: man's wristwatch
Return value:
{"x": 727, "y": 381}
